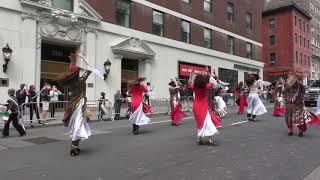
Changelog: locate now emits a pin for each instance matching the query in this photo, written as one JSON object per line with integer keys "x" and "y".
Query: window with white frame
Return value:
{"x": 249, "y": 50}
{"x": 123, "y": 13}
{"x": 249, "y": 21}
{"x": 230, "y": 44}
{"x": 207, "y": 33}
{"x": 207, "y": 5}
{"x": 187, "y": 1}
{"x": 186, "y": 31}
{"x": 63, "y": 4}
{"x": 230, "y": 11}
{"x": 158, "y": 23}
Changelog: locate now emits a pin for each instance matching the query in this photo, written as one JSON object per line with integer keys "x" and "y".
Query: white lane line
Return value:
{"x": 233, "y": 124}
{"x": 157, "y": 122}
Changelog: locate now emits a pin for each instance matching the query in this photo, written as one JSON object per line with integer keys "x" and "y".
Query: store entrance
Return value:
{"x": 129, "y": 72}
{"x": 54, "y": 62}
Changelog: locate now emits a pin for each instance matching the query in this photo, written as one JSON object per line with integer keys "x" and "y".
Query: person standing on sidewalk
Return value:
{"x": 54, "y": 98}
{"x": 45, "y": 99}
{"x": 21, "y": 95}
{"x": 33, "y": 104}
{"x": 117, "y": 105}
{"x": 13, "y": 111}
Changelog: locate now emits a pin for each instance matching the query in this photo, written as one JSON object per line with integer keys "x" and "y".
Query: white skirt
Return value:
{"x": 78, "y": 125}
{"x": 221, "y": 106}
{"x": 138, "y": 117}
{"x": 255, "y": 105}
{"x": 208, "y": 128}
{"x": 318, "y": 106}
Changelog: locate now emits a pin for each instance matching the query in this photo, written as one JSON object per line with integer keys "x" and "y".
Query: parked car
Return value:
{"x": 312, "y": 93}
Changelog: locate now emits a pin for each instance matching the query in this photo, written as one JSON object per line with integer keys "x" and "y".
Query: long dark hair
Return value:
{"x": 251, "y": 79}
{"x": 201, "y": 81}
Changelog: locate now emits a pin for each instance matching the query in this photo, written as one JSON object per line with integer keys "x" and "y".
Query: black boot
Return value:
{"x": 75, "y": 151}
{"x": 300, "y": 134}
{"x": 290, "y": 133}
{"x": 249, "y": 117}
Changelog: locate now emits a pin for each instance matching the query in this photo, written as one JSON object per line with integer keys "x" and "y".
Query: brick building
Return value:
{"x": 157, "y": 39}
{"x": 286, "y": 39}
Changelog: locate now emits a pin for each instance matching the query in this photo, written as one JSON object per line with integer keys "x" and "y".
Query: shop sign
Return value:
{"x": 246, "y": 68}
{"x": 185, "y": 69}
{"x": 281, "y": 73}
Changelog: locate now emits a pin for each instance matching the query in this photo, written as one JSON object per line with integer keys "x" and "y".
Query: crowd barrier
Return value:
{"x": 33, "y": 112}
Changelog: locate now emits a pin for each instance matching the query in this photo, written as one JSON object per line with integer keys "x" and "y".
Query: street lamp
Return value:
{"x": 7, "y": 53}
{"x": 107, "y": 67}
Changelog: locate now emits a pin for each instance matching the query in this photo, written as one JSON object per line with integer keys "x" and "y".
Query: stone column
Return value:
{"x": 148, "y": 70}
{"x": 91, "y": 57}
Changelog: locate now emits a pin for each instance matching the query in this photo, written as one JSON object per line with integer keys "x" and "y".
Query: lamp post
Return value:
{"x": 7, "y": 53}
{"x": 107, "y": 67}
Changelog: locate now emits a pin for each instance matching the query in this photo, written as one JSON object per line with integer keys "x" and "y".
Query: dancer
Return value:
{"x": 138, "y": 118}
{"x": 175, "y": 105}
{"x": 255, "y": 105}
{"x": 241, "y": 100}
{"x": 77, "y": 114}
{"x": 13, "y": 112}
{"x": 296, "y": 113}
{"x": 206, "y": 120}
{"x": 278, "y": 98}
{"x": 220, "y": 104}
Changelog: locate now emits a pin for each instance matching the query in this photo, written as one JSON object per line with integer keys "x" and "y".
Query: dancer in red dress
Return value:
{"x": 206, "y": 120}
{"x": 241, "y": 99}
{"x": 278, "y": 98}
{"x": 139, "y": 108}
{"x": 175, "y": 105}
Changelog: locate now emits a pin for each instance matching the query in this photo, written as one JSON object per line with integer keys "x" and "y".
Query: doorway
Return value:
{"x": 129, "y": 72}
{"x": 54, "y": 62}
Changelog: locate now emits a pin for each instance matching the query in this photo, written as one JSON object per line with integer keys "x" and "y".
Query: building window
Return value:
{"x": 249, "y": 50}
{"x": 300, "y": 23}
{"x": 249, "y": 21}
{"x": 230, "y": 11}
{"x": 186, "y": 31}
{"x": 300, "y": 58}
{"x": 230, "y": 45}
{"x": 295, "y": 20}
{"x": 273, "y": 58}
{"x": 123, "y": 13}
{"x": 272, "y": 23}
{"x": 207, "y": 5}
{"x": 65, "y": 4}
{"x": 304, "y": 42}
{"x": 296, "y": 38}
{"x": 272, "y": 40}
{"x": 308, "y": 42}
{"x": 187, "y": 1}
{"x": 307, "y": 27}
{"x": 308, "y": 61}
{"x": 207, "y": 34}
{"x": 300, "y": 41}
{"x": 297, "y": 58}
{"x": 158, "y": 23}
{"x": 305, "y": 60}
{"x": 304, "y": 26}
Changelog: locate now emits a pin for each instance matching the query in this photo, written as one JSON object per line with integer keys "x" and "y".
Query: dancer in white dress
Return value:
{"x": 255, "y": 105}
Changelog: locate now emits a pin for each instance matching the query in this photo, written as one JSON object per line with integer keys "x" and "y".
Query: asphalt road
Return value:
{"x": 247, "y": 150}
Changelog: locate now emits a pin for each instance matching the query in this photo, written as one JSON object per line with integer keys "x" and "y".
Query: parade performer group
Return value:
{"x": 175, "y": 106}
{"x": 296, "y": 113}
{"x": 138, "y": 107}
{"x": 206, "y": 120}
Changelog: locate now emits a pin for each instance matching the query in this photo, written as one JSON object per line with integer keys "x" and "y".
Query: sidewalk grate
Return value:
{"x": 41, "y": 140}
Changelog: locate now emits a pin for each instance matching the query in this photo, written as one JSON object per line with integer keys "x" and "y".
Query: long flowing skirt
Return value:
{"x": 221, "y": 106}
{"x": 255, "y": 105}
{"x": 138, "y": 117}
{"x": 177, "y": 114}
{"x": 279, "y": 106}
{"x": 208, "y": 128}
{"x": 242, "y": 103}
{"x": 78, "y": 125}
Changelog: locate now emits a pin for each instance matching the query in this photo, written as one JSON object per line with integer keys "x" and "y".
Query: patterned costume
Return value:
{"x": 175, "y": 105}
{"x": 278, "y": 100}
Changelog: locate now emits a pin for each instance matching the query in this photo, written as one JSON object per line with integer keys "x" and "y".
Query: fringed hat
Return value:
{"x": 137, "y": 81}
{"x": 298, "y": 75}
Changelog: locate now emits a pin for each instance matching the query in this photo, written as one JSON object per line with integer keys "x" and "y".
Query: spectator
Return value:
{"x": 117, "y": 104}
{"x": 45, "y": 98}
{"x": 21, "y": 96}
{"x": 54, "y": 98}
{"x": 13, "y": 111}
{"x": 32, "y": 100}
{"x": 102, "y": 105}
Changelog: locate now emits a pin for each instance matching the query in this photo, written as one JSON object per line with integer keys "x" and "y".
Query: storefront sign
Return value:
{"x": 281, "y": 73}
{"x": 186, "y": 68}
{"x": 246, "y": 68}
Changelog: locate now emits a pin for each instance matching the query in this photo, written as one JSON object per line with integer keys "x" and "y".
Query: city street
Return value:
{"x": 247, "y": 150}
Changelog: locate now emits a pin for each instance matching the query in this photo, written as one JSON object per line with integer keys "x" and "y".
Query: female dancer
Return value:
{"x": 255, "y": 105}
{"x": 220, "y": 104}
{"x": 241, "y": 100}
{"x": 175, "y": 105}
{"x": 278, "y": 100}
{"x": 206, "y": 120}
{"x": 296, "y": 113}
{"x": 139, "y": 108}
{"x": 77, "y": 114}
